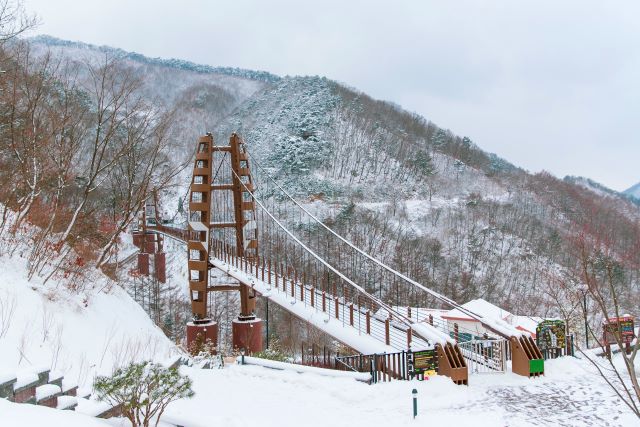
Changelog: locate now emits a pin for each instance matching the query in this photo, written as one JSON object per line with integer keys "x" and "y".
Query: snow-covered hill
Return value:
{"x": 77, "y": 332}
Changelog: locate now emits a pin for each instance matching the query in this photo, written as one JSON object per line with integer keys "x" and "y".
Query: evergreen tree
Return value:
{"x": 168, "y": 326}
{"x": 440, "y": 138}
{"x": 143, "y": 391}
{"x": 423, "y": 163}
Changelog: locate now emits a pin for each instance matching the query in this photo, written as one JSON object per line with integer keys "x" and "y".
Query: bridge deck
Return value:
{"x": 339, "y": 328}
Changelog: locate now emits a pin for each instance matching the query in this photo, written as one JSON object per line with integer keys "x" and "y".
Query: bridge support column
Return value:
{"x": 202, "y": 335}
{"x": 247, "y": 335}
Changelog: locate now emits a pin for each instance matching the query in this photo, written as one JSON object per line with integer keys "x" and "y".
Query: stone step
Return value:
{"x": 47, "y": 395}
{"x": 69, "y": 388}
{"x": 6, "y": 385}
{"x": 24, "y": 389}
{"x": 67, "y": 403}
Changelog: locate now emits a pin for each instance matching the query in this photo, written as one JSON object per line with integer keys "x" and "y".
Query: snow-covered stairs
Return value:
{"x": 41, "y": 387}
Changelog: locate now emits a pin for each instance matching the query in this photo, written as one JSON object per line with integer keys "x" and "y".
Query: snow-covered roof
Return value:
{"x": 479, "y": 306}
{"x": 525, "y": 323}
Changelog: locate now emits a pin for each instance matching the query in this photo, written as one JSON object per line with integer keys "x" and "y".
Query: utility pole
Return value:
{"x": 586, "y": 323}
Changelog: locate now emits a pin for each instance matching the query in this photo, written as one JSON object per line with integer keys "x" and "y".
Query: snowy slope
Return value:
{"x": 79, "y": 334}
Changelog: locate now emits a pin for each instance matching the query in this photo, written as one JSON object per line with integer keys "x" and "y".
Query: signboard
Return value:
{"x": 550, "y": 334}
{"x": 618, "y": 325}
{"x": 423, "y": 362}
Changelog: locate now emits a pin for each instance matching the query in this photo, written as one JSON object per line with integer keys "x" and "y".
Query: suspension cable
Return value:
{"x": 405, "y": 320}
{"x": 375, "y": 260}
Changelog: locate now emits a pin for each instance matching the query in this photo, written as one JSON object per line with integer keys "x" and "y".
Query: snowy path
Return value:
{"x": 583, "y": 400}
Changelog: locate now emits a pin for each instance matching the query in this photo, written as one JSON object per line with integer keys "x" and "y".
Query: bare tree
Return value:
{"x": 113, "y": 89}
{"x": 144, "y": 168}
{"x": 14, "y": 20}
{"x": 604, "y": 271}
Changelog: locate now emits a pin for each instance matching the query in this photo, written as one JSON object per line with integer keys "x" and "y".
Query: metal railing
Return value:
{"x": 485, "y": 355}
{"x": 383, "y": 367}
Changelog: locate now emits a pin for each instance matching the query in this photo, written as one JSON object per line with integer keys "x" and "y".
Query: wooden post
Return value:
{"x": 337, "y": 307}
{"x": 351, "y": 313}
{"x": 395, "y": 365}
{"x": 384, "y": 368}
{"x": 313, "y": 296}
{"x": 387, "y": 333}
{"x": 431, "y": 319}
{"x": 324, "y": 301}
{"x": 301, "y": 291}
{"x": 408, "y": 337}
{"x": 285, "y": 277}
{"x": 293, "y": 285}
{"x": 456, "y": 335}
{"x": 409, "y": 313}
{"x": 368, "y": 322}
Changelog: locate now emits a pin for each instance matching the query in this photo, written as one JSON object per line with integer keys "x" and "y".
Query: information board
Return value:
{"x": 619, "y": 325}
{"x": 550, "y": 334}
{"x": 425, "y": 362}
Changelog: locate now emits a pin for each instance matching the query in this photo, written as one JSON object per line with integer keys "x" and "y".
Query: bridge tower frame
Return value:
{"x": 247, "y": 329}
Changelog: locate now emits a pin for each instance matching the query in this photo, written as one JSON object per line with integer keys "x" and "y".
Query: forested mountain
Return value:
{"x": 427, "y": 201}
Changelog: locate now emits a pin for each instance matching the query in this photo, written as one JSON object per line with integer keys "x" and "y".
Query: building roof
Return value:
{"x": 479, "y": 306}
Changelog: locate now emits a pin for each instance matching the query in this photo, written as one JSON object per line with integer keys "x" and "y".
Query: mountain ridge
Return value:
{"x": 264, "y": 76}
{"x": 633, "y": 191}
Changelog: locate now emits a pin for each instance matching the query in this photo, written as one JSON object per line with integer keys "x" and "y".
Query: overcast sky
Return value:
{"x": 547, "y": 85}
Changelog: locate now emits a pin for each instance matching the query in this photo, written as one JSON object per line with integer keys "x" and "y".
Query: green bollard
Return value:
{"x": 415, "y": 403}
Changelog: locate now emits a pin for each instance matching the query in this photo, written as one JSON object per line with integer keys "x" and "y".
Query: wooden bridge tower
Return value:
{"x": 204, "y": 191}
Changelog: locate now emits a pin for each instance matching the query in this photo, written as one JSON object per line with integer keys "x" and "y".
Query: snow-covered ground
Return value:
{"x": 16, "y": 414}
{"x": 571, "y": 394}
{"x": 76, "y": 333}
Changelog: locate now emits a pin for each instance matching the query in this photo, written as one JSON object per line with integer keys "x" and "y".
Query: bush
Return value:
{"x": 143, "y": 390}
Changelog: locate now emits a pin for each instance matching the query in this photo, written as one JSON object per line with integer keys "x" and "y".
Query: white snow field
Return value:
{"x": 570, "y": 394}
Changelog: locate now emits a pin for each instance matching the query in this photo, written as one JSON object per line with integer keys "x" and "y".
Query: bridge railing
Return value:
{"x": 351, "y": 307}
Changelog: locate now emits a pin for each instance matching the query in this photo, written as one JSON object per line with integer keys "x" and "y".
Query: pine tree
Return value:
{"x": 143, "y": 391}
{"x": 168, "y": 326}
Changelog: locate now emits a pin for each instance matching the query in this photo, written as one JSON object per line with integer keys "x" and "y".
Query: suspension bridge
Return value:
{"x": 246, "y": 233}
